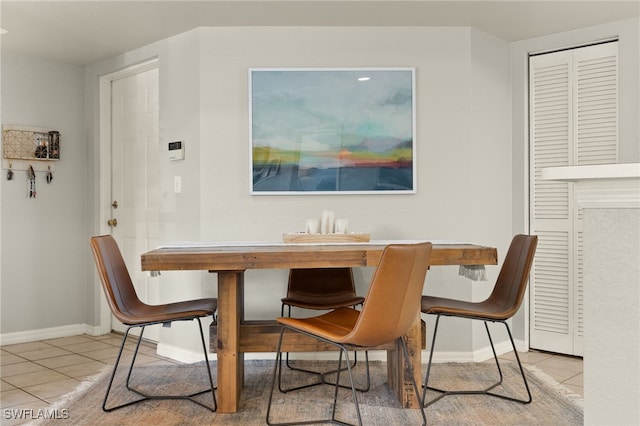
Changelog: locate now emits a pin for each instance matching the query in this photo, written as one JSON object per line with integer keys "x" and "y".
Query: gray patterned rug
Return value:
{"x": 552, "y": 403}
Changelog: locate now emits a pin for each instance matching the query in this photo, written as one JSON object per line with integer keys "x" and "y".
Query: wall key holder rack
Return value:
{"x": 33, "y": 149}
{"x": 25, "y": 146}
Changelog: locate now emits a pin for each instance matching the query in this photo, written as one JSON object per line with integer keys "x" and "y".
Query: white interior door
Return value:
{"x": 135, "y": 186}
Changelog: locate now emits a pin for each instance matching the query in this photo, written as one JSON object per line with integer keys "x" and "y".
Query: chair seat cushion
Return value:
{"x": 324, "y": 301}
{"x": 176, "y": 311}
{"x": 334, "y": 325}
{"x": 486, "y": 309}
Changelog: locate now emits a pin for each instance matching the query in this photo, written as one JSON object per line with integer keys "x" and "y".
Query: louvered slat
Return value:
{"x": 551, "y": 274}
{"x": 596, "y": 110}
{"x": 580, "y": 282}
{"x": 550, "y": 135}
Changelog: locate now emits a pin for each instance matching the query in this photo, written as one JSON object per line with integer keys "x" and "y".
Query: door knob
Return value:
{"x": 112, "y": 222}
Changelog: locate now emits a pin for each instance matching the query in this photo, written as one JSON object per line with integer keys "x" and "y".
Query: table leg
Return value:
{"x": 230, "y": 360}
{"x": 397, "y": 375}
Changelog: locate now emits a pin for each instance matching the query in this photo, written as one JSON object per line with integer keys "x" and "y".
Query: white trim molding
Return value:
{"x": 601, "y": 186}
{"x": 599, "y": 171}
{"x": 49, "y": 333}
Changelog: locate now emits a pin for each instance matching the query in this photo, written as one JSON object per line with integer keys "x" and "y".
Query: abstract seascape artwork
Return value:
{"x": 332, "y": 131}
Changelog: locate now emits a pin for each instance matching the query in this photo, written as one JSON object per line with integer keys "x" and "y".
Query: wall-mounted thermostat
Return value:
{"x": 176, "y": 150}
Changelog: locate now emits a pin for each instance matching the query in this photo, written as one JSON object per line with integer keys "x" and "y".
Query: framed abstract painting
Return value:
{"x": 332, "y": 131}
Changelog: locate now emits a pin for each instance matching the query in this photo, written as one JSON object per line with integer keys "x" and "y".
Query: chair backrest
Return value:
{"x": 512, "y": 280}
{"x": 392, "y": 303}
{"x": 115, "y": 279}
{"x": 305, "y": 283}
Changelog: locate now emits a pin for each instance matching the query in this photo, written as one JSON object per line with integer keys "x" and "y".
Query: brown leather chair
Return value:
{"x": 321, "y": 289}
{"x": 501, "y": 305}
{"x": 132, "y": 312}
{"x": 390, "y": 308}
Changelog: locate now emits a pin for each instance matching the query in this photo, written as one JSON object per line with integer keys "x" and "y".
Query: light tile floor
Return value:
{"x": 35, "y": 375}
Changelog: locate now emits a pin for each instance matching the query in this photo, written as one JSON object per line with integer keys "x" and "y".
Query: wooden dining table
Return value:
{"x": 234, "y": 336}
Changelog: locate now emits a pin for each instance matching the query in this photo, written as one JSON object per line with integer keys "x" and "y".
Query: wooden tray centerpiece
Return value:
{"x": 304, "y": 238}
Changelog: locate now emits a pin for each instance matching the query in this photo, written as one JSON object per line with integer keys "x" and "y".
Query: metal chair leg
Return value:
{"x": 487, "y": 390}
{"x": 277, "y": 373}
{"x": 113, "y": 374}
{"x": 322, "y": 375}
{"x": 524, "y": 378}
{"x": 145, "y": 396}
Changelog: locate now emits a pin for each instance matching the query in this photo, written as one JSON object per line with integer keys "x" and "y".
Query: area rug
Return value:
{"x": 552, "y": 404}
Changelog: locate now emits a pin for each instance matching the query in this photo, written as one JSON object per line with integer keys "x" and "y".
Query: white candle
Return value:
{"x": 312, "y": 226}
{"x": 341, "y": 226}
{"x": 326, "y": 222}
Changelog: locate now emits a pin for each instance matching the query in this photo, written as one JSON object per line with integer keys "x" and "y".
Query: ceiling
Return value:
{"x": 85, "y": 32}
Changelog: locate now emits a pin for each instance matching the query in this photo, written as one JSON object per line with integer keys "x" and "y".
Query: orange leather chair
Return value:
{"x": 321, "y": 289}
{"x": 390, "y": 308}
{"x": 501, "y": 305}
{"x": 132, "y": 312}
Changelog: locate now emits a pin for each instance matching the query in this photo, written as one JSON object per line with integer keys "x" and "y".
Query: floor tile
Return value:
{"x": 102, "y": 354}
{"x": 15, "y": 397}
{"x": 527, "y": 357}
{"x": 8, "y": 359}
{"x": 65, "y": 341}
{"x": 63, "y": 361}
{"x": 4, "y": 386}
{"x": 80, "y": 371}
{"x": 48, "y": 391}
{"x": 36, "y": 378}
{"x": 563, "y": 363}
{"x": 86, "y": 347}
{"x": 44, "y": 353}
{"x": 558, "y": 374}
{"x": 113, "y": 341}
{"x": 101, "y": 337}
{"x": 127, "y": 356}
{"x": 26, "y": 347}
{"x": 575, "y": 389}
{"x": 21, "y": 368}
{"x": 577, "y": 380}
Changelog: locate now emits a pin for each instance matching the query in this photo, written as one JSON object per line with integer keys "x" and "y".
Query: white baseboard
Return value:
{"x": 49, "y": 333}
{"x": 479, "y": 355}
{"x": 181, "y": 354}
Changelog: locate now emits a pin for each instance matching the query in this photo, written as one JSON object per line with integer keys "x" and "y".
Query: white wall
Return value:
{"x": 44, "y": 244}
{"x": 463, "y": 147}
{"x": 612, "y": 318}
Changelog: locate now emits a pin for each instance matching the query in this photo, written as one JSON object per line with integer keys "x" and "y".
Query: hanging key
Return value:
{"x": 32, "y": 182}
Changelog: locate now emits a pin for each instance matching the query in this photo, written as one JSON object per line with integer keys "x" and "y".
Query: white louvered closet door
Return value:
{"x": 573, "y": 121}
